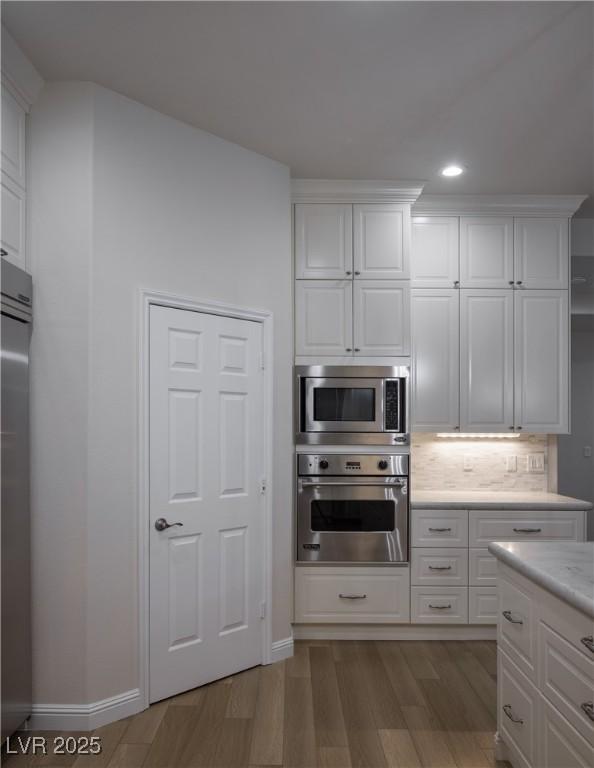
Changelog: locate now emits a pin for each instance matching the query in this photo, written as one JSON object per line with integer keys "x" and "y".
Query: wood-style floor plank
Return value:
{"x": 334, "y": 757}
{"x": 407, "y": 689}
{"x": 418, "y": 660}
{"x": 170, "y": 742}
{"x": 203, "y": 741}
{"x": 267, "y": 739}
{"x": 143, "y": 727}
{"x": 299, "y": 728}
{"x": 233, "y": 748}
{"x": 244, "y": 693}
{"x": 399, "y": 749}
{"x": 328, "y": 715}
{"x": 129, "y": 756}
{"x": 381, "y": 695}
{"x": 430, "y": 743}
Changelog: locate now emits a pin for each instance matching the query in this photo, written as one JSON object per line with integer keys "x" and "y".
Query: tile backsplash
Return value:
{"x": 479, "y": 463}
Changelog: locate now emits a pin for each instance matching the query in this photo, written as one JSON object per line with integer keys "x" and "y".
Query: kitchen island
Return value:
{"x": 545, "y": 646}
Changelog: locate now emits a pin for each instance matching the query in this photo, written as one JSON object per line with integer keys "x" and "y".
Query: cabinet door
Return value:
{"x": 486, "y": 252}
{"x": 435, "y": 317}
{"x": 542, "y": 361}
{"x": 323, "y": 317}
{"x": 323, "y": 241}
{"x": 541, "y": 252}
{"x": 486, "y": 360}
{"x": 13, "y": 221}
{"x": 13, "y": 138}
{"x": 381, "y": 324}
{"x": 382, "y": 245}
{"x": 434, "y": 259}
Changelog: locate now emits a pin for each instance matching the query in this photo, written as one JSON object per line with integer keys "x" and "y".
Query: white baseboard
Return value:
{"x": 282, "y": 649}
{"x": 85, "y": 717}
{"x": 393, "y": 632}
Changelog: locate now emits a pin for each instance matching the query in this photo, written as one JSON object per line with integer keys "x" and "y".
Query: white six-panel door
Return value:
{"x": 206, "y": 467}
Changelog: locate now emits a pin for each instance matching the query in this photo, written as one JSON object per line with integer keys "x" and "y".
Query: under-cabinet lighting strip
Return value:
{"x": 483, "y": 435}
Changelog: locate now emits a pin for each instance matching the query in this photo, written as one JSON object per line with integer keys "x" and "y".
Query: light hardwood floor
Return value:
{"x": 333, "y": 705}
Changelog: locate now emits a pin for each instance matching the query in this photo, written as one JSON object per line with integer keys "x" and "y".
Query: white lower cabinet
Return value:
{"x": 439, "y": 567}
{"x": 439, "y": 605}
{"x": 352, "y": 594}
{"x": 544, "y": 718}
{"x": 482, "y": 605}
{"x": 561, "y": 745}
{"x": 517, "y": 700}
{"x": 482, "y": 568}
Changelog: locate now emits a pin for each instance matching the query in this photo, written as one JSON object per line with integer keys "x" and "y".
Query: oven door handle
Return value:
{"x": 366, "y": 481}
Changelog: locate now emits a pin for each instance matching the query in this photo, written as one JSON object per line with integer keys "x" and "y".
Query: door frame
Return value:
{"x": 146, "y": 299}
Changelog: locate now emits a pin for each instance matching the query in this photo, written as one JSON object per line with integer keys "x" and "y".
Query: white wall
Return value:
{"x": 173, "y": 209}
{"x": 576, "y": 471}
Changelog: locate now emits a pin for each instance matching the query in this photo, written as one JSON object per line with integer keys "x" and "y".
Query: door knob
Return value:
{"x": 162, "y": 525}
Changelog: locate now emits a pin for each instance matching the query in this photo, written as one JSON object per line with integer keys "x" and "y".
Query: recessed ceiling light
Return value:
{"x": 452, "y": 170}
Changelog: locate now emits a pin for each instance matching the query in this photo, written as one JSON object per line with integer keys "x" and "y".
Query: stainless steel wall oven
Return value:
{"x": 352, "y": 508}
{"x": 352, "y": 405}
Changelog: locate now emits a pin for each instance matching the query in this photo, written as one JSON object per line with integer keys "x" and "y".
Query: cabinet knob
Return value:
{"x": 518, "y": 427}
{"x": 518, "y": 282}
{"x": 349, "y": 349}
{"x": 356, "y": 349}
{"x": 357, "y": 273}
{"x": 348, "y": 272}
{"x": 456, "y": 283}
{"x": 511, "y": 282}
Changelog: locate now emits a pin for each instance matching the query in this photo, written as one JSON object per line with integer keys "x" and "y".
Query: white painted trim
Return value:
{"x": 393, "y": 632}
{"x": 282, "y": 649}
{"x": 85, "y": 717}
{"x": 18, "y": 74}
{"x": 338, "y": 191}
{"x": 146, "y": 299}
{"x": 497, "y": 205}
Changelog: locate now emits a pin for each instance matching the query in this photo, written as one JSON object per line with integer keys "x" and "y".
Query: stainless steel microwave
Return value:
{"x": 339, "y": 404}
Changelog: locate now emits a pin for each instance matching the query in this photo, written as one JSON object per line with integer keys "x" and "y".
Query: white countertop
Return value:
{"x": 566, "y": 569}
{"x": 493, "y": 500}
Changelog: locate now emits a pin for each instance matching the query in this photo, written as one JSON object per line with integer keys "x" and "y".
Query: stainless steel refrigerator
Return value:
{"x": 15, "y": 332}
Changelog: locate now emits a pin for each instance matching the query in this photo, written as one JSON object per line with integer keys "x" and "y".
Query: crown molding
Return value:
{"x": 19, "y": 76}
{"x": 354, "y": 191}
{"x": 497, "y": 205}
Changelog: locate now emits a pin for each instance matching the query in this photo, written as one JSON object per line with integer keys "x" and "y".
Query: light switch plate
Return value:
{"x": 536, "y": 462}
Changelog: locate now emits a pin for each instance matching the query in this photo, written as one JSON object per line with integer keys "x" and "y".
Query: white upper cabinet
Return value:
{"x": 435, "y": 252}
{"x": 13, "y": 138}
{"x": 324, "y": 317}
{"x": 487, "y": 360}
{"x": 435, "y": 382}
{"x": 541, "y": 252}
{"x": 381, "y": 324}
{"x": 323, "y": 241}
{"x": 486, "y": 252}
{"x": 542, "y": 361}
{"x": 381, "y": 242}
{"x": 13, "y": 221}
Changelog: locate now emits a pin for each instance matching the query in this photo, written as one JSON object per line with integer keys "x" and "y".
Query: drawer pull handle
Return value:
{"x": 508, "y": 615}
{"x": 440, "y": 607}
{"x": 528, "y": 530}
{"x": 588, "y": 642}
{"x": 508, "y": 711}
{"x": 588, "y": 708}
{"x": 352, "y": 597}
{"x": 440, "y": 567}
{"x": 439, "y": 530}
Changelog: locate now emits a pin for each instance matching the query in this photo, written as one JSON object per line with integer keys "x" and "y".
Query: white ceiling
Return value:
{"x": 350, "y": 90}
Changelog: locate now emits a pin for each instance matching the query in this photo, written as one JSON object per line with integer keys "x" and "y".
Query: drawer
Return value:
{"x": 352, "y": 594}
{"x": 439, "y": 605}
{"x": 517, "y": 712}
{"x": 486, "y": 526}
{"x": 439, "y": 567}
{"x": 566, "y": 678}
{"x": 439, "y": 527}
{"x": 516, "y": 622}
{"x": 482, "y": 568}
{"x": 482, "y": 605}
{"x": 573, "y": 625}
{"x": 561, "y": 745}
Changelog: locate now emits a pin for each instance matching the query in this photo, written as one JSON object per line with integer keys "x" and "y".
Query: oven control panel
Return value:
{"x": 351, "y": 464}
